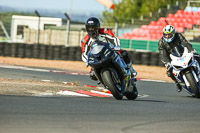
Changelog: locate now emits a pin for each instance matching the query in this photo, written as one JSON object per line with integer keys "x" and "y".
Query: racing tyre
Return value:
{"x": 109, "y": 82}
{"x": 193, "y": 84}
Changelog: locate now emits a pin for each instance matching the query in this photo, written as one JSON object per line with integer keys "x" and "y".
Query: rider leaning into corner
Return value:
{"x": 105, "y": 35}
{"x": 169, "y": 40}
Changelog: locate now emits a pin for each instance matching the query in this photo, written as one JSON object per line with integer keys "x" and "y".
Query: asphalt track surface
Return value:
{"x": 163, "y": 110}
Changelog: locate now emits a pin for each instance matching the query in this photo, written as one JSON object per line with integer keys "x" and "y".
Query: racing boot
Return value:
{"x": 169, "y": 74}
{"x": 92, "y": 75}
{"x": 133, "y": 72}
{"x": 179, "y": 87}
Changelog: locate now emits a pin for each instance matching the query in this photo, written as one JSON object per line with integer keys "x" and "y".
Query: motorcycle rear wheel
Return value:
{"x": 193, "y": 84}
{"x": 108, "y": 81}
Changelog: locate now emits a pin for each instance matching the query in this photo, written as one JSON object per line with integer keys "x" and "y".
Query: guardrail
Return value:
{"x": 145, "y": 45}
{"x": 139, "y": 45}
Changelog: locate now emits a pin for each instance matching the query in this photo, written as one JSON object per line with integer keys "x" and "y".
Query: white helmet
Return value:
{"x": 168, "y": 33}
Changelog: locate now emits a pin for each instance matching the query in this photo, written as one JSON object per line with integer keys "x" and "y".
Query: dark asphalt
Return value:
{"x": 162, "y": 111}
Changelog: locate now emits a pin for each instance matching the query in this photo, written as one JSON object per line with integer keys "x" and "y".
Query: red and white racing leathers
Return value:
{"x": 105, "y": 35}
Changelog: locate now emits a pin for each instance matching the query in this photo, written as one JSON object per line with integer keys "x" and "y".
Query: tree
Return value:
{"x": 126, "y": 10}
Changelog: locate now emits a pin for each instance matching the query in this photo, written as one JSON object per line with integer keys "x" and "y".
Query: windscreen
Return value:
{"x": 96, "y": 48}
{"x": 178, "y": 50}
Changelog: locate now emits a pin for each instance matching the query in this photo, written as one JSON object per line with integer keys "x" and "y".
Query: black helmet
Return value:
{"x": 92, "y": 26}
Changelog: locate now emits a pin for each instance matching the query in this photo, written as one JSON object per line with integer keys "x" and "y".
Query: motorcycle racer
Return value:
{"x": 105, "y": 35}
{"x": 169, "y": 40}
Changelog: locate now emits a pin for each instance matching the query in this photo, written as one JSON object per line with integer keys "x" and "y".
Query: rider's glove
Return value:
{"x": 194, "y": 51}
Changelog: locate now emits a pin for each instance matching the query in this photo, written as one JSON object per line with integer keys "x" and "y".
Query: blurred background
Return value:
{"x": 137, "y": 23}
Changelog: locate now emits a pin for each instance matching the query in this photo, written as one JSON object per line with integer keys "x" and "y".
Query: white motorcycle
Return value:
{"x": 186, "y": 70}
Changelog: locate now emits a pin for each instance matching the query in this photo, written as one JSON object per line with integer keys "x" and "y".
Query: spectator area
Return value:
{"x": 182, "y": 20}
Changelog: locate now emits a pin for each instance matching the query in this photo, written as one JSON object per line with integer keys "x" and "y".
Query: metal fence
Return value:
{"x": 53, "y": 37}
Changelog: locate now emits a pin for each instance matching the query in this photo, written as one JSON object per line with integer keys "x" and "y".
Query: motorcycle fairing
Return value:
{"x": 182, "y": 63}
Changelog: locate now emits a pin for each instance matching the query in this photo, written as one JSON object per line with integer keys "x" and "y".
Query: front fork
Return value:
{"x": 193, "y": 73}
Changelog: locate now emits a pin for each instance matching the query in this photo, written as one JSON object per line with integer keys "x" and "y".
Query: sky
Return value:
{"x": 61, "y": 5}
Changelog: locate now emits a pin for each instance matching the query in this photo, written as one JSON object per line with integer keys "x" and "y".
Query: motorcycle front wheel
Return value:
{"x": 109, "y": 82}
{"x": 193, "y": 84}
{"x": 133, "y": 94}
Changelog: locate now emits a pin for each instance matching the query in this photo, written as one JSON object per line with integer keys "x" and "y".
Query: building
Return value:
{"x": 31, "y": 22}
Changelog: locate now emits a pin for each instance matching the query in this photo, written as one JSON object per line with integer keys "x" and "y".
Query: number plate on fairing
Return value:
{"x": 181, "y": 59}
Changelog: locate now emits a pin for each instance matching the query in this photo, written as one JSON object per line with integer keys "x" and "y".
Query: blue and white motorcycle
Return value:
{"x": 186, "y": 70}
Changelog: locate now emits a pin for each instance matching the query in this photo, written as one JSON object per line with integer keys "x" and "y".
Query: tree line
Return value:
{"x": 126, "y": 10}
